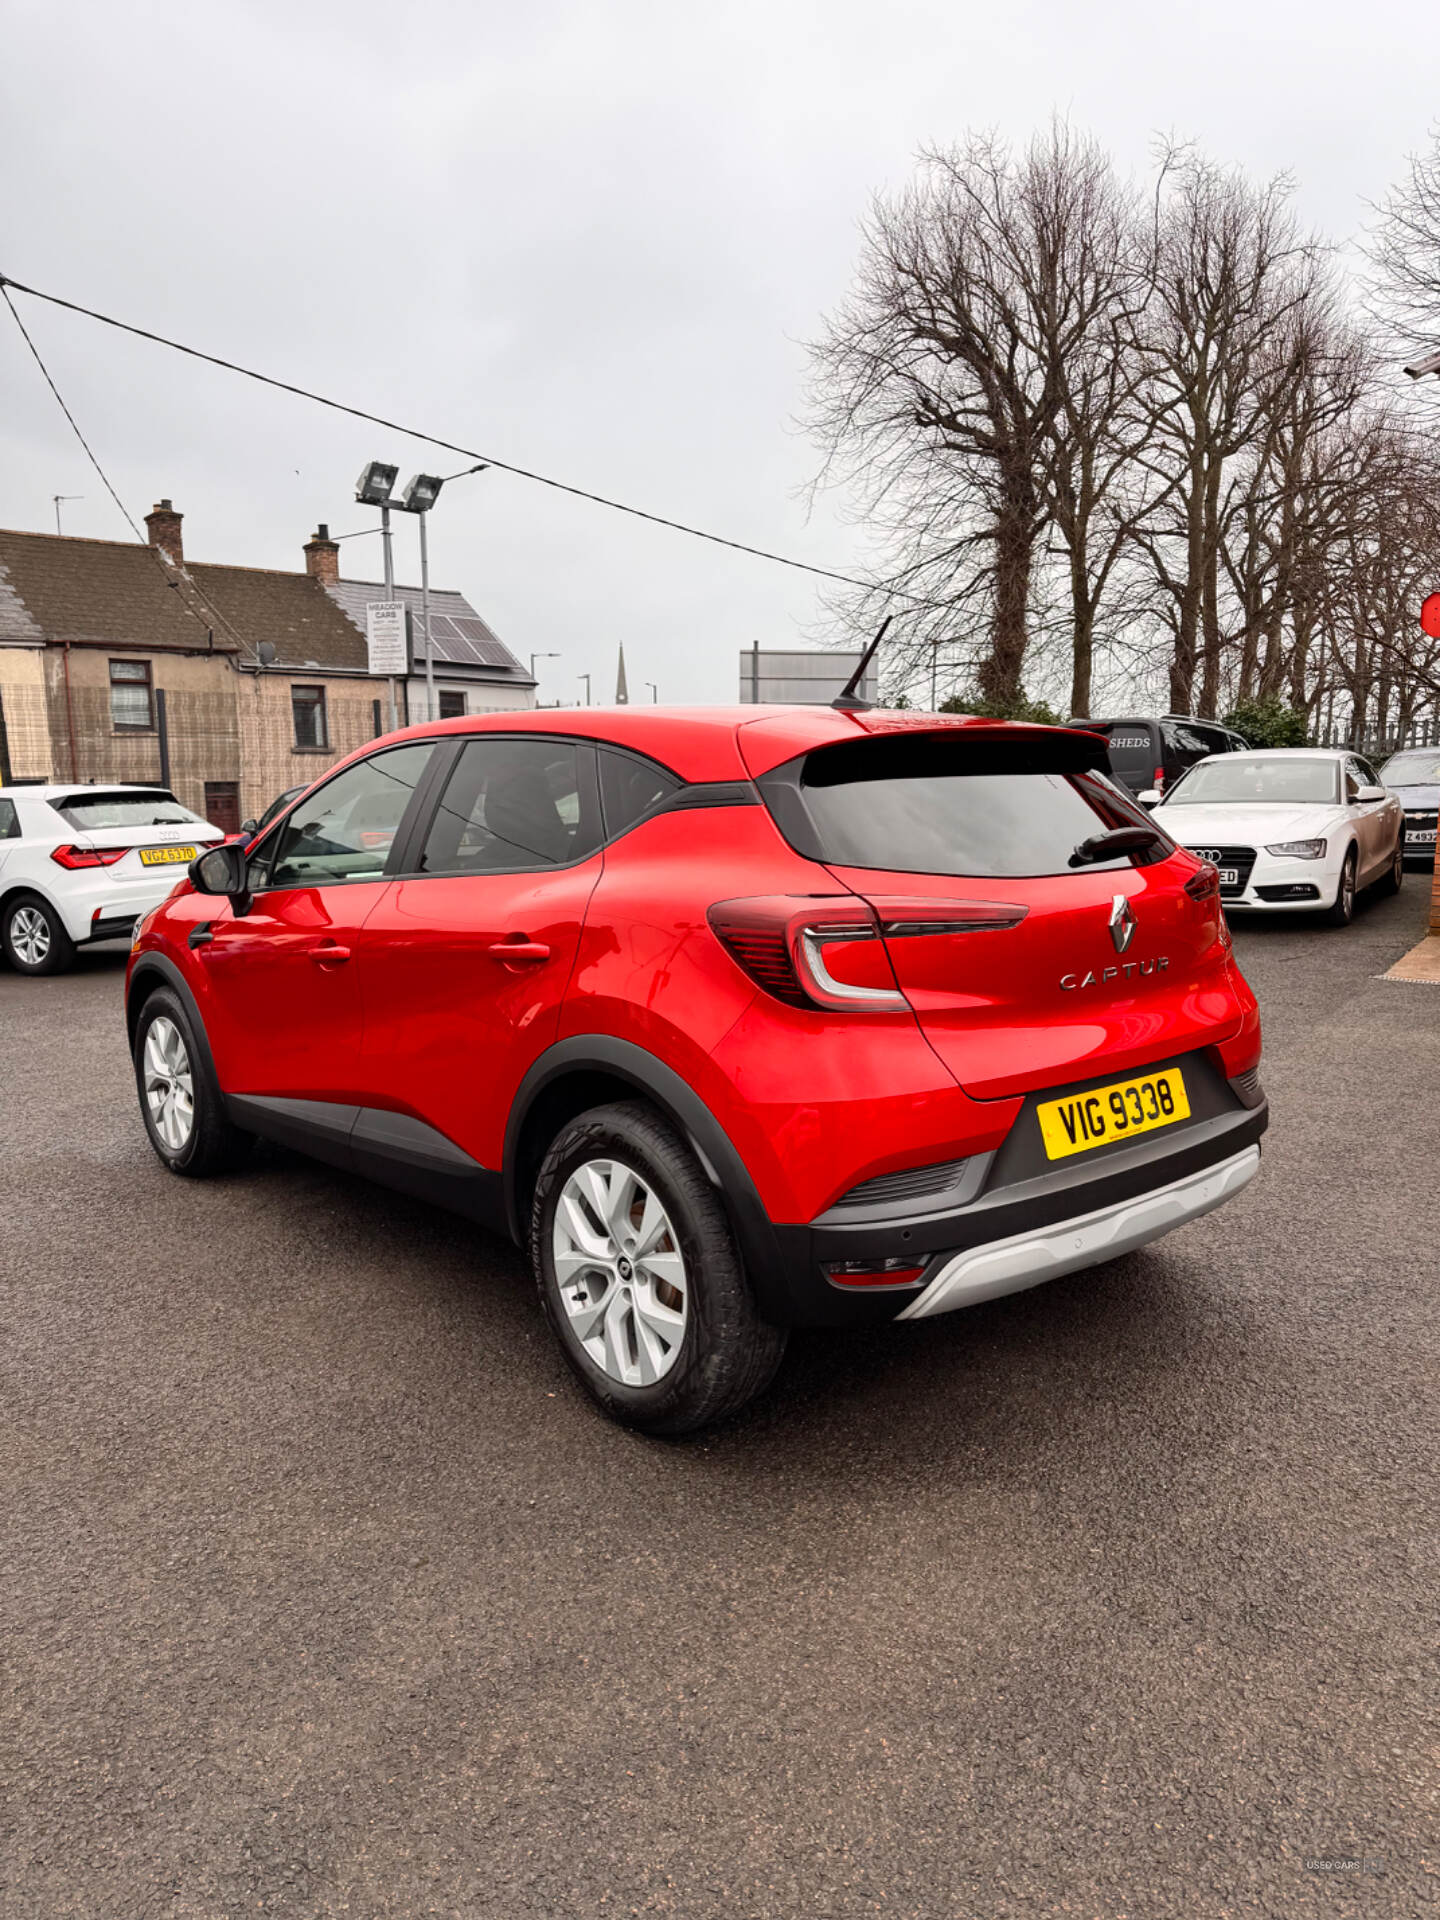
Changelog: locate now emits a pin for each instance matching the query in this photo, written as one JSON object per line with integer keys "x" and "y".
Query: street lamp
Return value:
{"x": 373, "y": 489}
{"x": 420, "y": 495}
{"x": 1430, "y": 364}
{"x": 586, "y": 678}
{"x": 533, "y": 658}
{"x": 654, "y": 692}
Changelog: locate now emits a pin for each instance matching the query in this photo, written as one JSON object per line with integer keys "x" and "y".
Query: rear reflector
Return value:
{"x": 73, "y": 857}
{"x": 901, "y": 1272}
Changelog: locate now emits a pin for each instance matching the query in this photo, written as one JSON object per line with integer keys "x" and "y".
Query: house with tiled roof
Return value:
{"x": 126, "y": 662}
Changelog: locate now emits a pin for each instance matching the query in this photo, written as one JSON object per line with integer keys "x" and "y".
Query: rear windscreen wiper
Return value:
{"x": 1105, "y": 846}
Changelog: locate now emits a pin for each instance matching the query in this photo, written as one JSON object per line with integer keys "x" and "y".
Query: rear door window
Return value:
{"x": 513, "y": 806}
{"x": 955, "y": 807}
{"x": 9, "y": 821}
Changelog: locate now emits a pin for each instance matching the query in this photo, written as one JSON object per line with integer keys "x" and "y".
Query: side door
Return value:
{"x": 1389, "y": 816}
{"x": 465, "y": 960}
{"x": 1367, "y": 817}
{"x": 278, "y": 984}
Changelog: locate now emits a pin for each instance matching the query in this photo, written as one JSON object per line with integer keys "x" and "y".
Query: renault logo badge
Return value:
{"x": 1122, "y": 922}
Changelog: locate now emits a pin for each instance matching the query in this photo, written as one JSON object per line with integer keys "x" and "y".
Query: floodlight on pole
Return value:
{"x": 376, "y": 484}
{"x": 420, "y": 493}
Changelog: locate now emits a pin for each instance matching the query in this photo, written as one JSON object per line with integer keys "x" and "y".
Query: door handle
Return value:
{"x": 519, "y": 948}
{"x": 329, "y": 956}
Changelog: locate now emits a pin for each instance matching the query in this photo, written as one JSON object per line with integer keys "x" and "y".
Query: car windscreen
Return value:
{"x": 96, "y": 808}
{"x": 1412, "y": 769}
{"x": 1239, "y": 780}
{"x": 984, "y": 809}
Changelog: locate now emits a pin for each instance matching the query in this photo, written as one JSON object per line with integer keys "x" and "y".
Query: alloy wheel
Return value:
{"x": 169, "y": 1084}
{"x": 619, "y": 1273}
{"x": 30, "y": 936}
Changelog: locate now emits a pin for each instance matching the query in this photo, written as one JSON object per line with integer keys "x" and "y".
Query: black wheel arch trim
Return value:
{"x": 765, "y": 1265}
{"x": 160, "y": 968}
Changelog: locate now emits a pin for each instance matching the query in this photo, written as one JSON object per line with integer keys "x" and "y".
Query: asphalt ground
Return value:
{"x": 324, "y": 1591}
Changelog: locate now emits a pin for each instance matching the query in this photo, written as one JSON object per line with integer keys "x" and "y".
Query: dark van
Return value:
{"x": 1147, "y": 754}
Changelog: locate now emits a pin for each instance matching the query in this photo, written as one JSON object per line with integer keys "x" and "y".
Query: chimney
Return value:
{"x": 162, "y": 529}
{"x": 322, "y": 556}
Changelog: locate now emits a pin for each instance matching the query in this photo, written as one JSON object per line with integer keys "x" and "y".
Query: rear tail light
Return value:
{"x": 1158, "y": 782}
{"x": 903, "y": 1271}
{"x": 73, "y": 857}
{"x": 914, "y": 919}
{"x": 1204, "y": 883}
{"x": 818, "y": 951}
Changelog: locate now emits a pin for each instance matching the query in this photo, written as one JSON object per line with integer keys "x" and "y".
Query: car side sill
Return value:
{"x": 392, "y": 1148}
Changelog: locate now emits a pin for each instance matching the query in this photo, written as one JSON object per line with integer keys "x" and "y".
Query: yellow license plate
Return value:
{"x": 166, "y": 856}
{"x": 1094, "y": 1119}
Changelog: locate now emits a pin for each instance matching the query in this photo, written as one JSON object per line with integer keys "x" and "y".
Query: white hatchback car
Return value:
{"x": 1292, "y": 829}
{"x": 81, "y": 864}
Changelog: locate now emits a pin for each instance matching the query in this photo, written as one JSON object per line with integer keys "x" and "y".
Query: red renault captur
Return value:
{"x": 734, "y": 1019}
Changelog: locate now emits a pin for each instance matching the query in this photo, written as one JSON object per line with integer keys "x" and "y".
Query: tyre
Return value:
{"x": 1343, "y": 911}
{"x": 640, "y": 1277}
{"x": 34, "y": 937}
{"x": 1393, "y": 877}
{"x": 180, "y": 1103}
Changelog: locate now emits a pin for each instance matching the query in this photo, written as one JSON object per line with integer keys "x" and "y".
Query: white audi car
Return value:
{"x": 81, "y": 864}
{"x": 1292, "y": 829}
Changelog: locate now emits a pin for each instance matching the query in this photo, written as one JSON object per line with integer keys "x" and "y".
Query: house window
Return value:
{"x": 131, "y": 705}
{"x": 308, "y": 706}
{"x": 452, "y": 705}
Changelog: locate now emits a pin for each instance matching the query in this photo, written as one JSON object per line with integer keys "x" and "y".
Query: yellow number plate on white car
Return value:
{"x": 1094, "y": 1119}
{"x": 166, "y": 856}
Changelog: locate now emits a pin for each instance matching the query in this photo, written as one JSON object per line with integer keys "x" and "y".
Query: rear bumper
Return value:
{"x": 1028, "y": 1259}
{"x": 1009, "y": 1219}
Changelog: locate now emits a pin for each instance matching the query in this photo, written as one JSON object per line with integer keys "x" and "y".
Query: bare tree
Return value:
{"x": 1232, "y": 271}
{"x": 968, "y": 387}
{"x": 1405, "y": 252}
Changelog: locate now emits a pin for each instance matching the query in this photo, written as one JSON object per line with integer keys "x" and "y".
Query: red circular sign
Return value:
{"x": 1430, "y": 616}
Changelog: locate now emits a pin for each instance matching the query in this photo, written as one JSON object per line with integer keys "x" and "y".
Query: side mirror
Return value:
{"x": 222, "y": 870}
{"x": 1367, "y": 794}
{"x": 249, "y": 826}
{"x": 1150, "y": 798}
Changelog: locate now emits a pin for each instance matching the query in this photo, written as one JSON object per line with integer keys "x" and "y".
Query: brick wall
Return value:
{"x": 269, "y": 759}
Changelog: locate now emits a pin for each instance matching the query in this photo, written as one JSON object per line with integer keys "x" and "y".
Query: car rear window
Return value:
{"x": 987, "y": 809}
{"x": 96, "y": 808}
{"x": 1133, "y": 752}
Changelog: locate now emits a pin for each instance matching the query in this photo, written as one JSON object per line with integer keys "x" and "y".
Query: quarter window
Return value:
{"x": 9, "y": 821}
{"x": 511, "y": 806}
{"x": 344, "y": 830}
{"x": 629, "y": 789}
{"x": 308, "y": 706}
{"x": 131, "y": 705}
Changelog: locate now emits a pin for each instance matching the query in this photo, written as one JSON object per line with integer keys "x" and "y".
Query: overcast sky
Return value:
{"x": 588, "y": 238}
